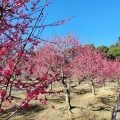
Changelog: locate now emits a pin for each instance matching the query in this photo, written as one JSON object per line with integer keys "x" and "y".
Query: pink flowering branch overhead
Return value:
{"x": 20, "y": 22}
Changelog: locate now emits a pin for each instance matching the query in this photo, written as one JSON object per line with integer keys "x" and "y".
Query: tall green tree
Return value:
{"x": 103, "y": 49}
{"x": 91, "y": 46}
{"x": 114, "y": 52}
{"x": 118, "y": 42}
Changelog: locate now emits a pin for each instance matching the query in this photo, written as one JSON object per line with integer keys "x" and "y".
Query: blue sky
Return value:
{"x": 96, "y": 21}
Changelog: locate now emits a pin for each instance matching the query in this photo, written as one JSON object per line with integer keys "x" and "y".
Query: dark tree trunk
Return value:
{"x": 93, "y": 89}
{"x": 79, "y": 82}
{"x": 116, "y": 108}
{"x": 10, "y": 90}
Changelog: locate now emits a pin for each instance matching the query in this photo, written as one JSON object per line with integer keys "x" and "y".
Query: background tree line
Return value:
{"x": 111, "y": 52}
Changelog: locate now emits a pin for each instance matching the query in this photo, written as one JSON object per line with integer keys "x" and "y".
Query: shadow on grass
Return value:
{"x": 31, "y": 111}
{"x": 98, "y": 108}
{"x": 118, "y": 110}
{"x": 15, "y": 98}
{"x": 81, "y": 91}
{"x": 56, "y": 100}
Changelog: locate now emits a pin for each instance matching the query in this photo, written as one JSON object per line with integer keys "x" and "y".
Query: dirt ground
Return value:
{"x": 85, "y": 105}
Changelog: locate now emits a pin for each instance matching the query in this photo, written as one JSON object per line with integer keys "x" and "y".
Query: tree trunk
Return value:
{"x": 50, "y": 86}
{"x": 67, "y": 91}
{"x": 116, "y": 107}
{"x": 79, "y": 82}
{"x": 118, "y": 82}
{"x": 67, "y": 96}
{"x": 93, "y": 89}
{"x": 10, "y": 90}
{"x": 67, "y": 99}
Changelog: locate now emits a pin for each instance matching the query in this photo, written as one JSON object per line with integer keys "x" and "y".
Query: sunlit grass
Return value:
{"x": 86, "y": 105}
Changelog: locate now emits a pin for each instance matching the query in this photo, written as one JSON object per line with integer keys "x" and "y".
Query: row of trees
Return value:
{"x": 23, "y": 67}
{"x": 111, "y": 52}
{"x": 65, "y": 59}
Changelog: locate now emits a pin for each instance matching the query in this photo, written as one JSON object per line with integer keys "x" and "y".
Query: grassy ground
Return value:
{"x": 85, "y": 105}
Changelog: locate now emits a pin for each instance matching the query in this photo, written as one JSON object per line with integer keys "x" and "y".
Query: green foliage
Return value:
{"x": 114, "y": 52}
{"x": 112, "y": 46}
{"x": 103, "y": 49}
{"x": 91, "y": 46}
{"x": 118, "y": 42}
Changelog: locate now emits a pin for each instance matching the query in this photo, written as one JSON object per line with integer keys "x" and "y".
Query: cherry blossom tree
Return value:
{"x": 89, "y": 65}
{"x": 115, "y": 68}
{"x": 53, "y": 60}
{"x": 105, "y": 74}
{"x": 66, "y": 59}
{"x": 21, "y": 25}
